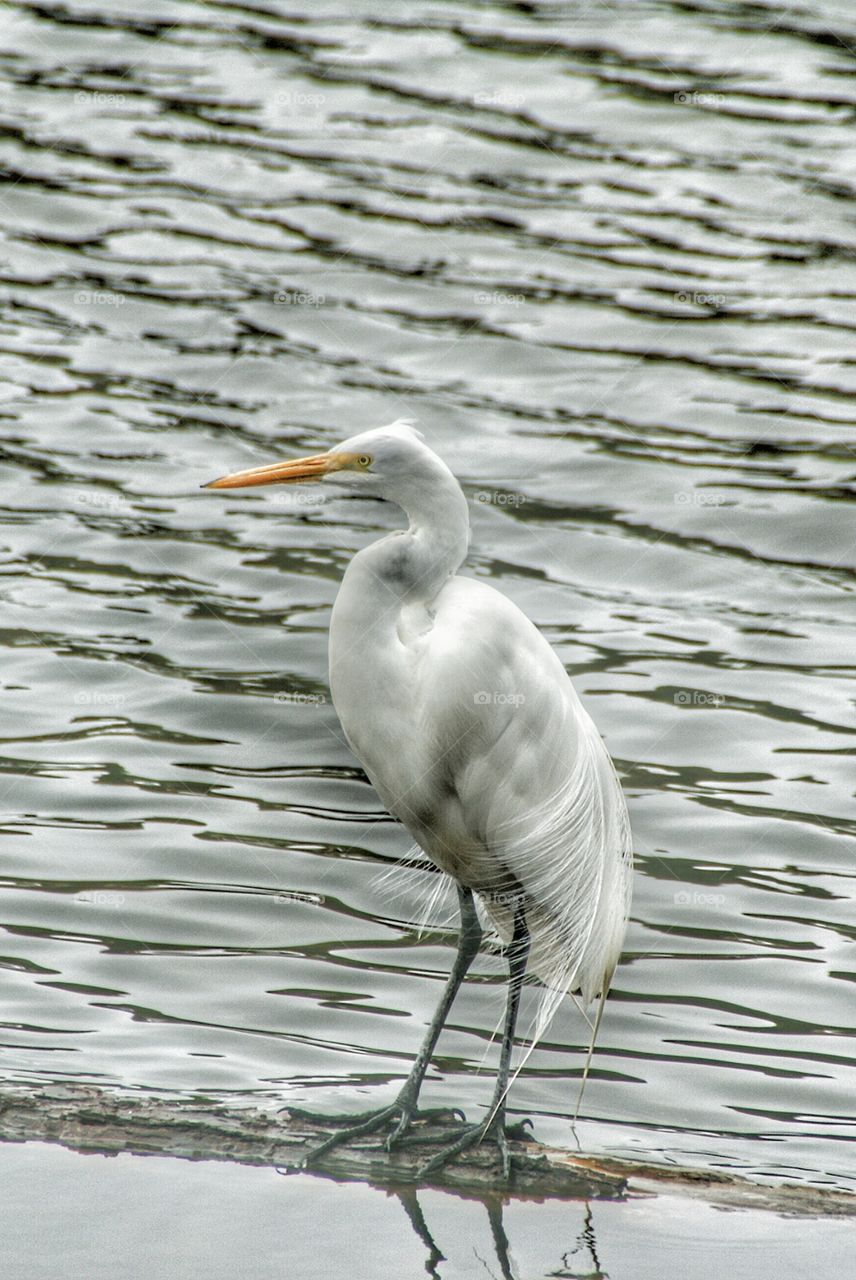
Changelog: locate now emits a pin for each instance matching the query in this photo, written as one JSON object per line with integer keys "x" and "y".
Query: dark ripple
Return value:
{"x": 612, "y": 272}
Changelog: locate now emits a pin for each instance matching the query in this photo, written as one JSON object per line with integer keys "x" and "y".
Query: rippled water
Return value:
{"x": 606, "y": 255}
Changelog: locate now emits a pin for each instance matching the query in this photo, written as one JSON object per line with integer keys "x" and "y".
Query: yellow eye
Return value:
{"x": 364, "y": 460}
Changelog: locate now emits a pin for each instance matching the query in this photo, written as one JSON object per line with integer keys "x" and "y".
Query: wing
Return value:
{"x": 530, "y": 809}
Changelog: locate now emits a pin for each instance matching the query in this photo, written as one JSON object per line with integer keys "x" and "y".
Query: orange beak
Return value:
{"x": 290, "y": 472}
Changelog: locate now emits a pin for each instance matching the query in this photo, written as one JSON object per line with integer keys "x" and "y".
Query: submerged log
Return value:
{"x": 89, "y": 1119}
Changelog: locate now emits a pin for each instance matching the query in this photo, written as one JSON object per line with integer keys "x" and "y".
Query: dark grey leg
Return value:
{"x": 494, "y": 1126}
{"x": 468, "y": 945}
{"x": 518, "y": 954}
{"x": 404, "y": 1107}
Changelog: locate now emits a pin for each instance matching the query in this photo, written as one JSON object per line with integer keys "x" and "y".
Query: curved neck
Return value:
{"x": 385, "y": 601}
{"x": 413, "y": 564}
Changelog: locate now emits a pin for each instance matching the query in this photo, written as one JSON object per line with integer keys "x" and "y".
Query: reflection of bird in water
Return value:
{"x": 568, "y": 1269}
{"x": 470, "y": 730}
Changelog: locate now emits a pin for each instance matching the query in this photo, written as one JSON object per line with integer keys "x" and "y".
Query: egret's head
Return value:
{"x": 379, "y": 463}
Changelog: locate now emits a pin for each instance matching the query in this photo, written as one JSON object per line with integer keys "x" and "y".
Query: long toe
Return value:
{"x": 404, "y": 1133}
{"x": 367, "y": 1124}
{"x": 468, "y": 1139}
{"x": 326, "y": 1120}
{"x": 471, "y": 1136}
{"x": 399, "y": 1131}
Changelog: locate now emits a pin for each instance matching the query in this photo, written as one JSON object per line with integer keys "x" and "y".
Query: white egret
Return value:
{"x": 473, "y": 736}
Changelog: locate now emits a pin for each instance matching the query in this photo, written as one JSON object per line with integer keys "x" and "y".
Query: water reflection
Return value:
{"x": 580, "y": 1262}
{"x": 221, "y": 1220}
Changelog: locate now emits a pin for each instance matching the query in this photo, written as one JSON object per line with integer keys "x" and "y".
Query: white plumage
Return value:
{"x": 468, "y": 726}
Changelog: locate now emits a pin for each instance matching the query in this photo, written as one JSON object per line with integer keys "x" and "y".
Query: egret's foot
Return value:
{"x": 435, "y": 1115}
{"x": 491, "y": 1130}
{"x": 400, "y": 1114}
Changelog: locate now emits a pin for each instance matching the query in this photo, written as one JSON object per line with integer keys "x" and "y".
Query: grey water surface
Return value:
{"x": 605, "y": 254}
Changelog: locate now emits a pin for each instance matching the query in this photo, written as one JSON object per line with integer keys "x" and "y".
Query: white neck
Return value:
{"x": 384, "y": 607}
{"x": 389, "y": 586}
{"x": 412, "y": 564}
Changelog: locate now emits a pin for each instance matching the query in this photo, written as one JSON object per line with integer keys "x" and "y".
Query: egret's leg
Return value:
{"x": 404, "y": 1108}
{"x": 494, "y": 1125}
{"x": 468, "y": 945}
